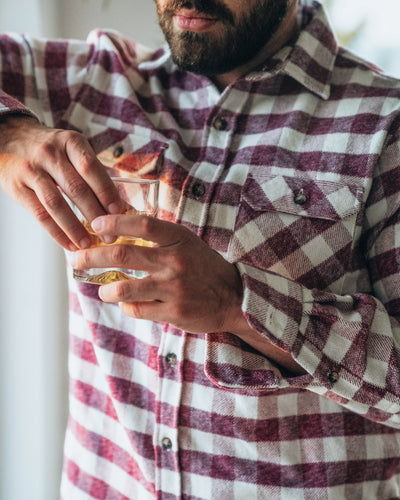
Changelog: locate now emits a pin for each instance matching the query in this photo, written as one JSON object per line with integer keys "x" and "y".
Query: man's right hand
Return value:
{"x": 37, "y": 163}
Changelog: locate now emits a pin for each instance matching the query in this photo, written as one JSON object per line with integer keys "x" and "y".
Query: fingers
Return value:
{"x": 163, "y": 233}
{"x": 139, "y": 299}
{"x": 92, "y": 191}
{"x": 121, "y": 256}
{"x": 188, "y": 284}
{"x": 35, "y": 207}
{"x": 46, "y": 162}
{"x": 130, "y": 291}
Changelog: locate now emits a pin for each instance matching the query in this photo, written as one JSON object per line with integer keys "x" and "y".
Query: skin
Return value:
{"x": 35, "y": 159}
{"x": 189, "y": 285}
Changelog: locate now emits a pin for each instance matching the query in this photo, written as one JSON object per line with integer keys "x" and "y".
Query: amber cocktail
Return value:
{"x": 141, "y": 196}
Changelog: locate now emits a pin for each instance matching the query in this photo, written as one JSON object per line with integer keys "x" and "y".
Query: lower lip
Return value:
{"x": 194, "y": 23}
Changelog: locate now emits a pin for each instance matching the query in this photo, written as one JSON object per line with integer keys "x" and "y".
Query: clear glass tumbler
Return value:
{"x": 141, "y": 197}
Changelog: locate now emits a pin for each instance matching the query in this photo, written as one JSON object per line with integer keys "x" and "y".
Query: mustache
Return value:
{"x": 209, "y": 7}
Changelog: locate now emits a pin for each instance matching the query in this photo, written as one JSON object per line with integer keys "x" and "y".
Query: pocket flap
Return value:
{"x": 302, "y": 196}
{"x": 133, "y": 156}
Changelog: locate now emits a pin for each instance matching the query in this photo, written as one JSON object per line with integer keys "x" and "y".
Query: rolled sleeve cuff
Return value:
{"x": 11, "y": 106}
{"x": 274, "y": 307}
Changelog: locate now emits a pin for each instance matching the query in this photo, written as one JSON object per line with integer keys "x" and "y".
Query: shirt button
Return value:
{"x": 221, "y": 123}
{"x": 300, "y": 198}
{"x": 118, "y": 151}
{"x": 171, "y": 358}
{"x": 166, "y": 443}
{"x": 333, "y": 377}
{"x": 198, "y": 189}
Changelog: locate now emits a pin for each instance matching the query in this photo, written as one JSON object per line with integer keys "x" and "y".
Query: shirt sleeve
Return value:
{"x": 34, "y": 78}
{"x": 348, "y": 344}
{"x": 47, "y": 78}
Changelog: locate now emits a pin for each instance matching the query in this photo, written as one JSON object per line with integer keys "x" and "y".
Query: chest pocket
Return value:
{"x": 300, "y": 228}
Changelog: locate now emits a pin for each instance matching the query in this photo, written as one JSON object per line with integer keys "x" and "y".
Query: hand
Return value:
{"x": 189, "y": 285}
{"x": 36, "y": 162}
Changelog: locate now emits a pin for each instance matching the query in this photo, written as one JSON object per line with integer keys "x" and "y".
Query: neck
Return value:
{"x": 285, "y": 32}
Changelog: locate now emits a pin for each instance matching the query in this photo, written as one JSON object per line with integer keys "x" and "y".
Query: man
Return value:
{"x": 259, "y": 357}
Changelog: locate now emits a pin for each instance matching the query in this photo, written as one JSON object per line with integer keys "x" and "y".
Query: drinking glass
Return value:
{"x": 141, "y": 197}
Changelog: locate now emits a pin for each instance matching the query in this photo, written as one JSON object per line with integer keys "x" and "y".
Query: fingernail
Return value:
{"x": 114, "y": 208}
{"x": 107, "y": 238}
{"x": 84, "y": 243}
{"x": 98, "y": 224}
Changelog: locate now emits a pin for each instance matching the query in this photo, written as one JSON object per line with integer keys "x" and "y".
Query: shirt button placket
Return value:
{"x": 171, "y": 358}
{"x": 118, "y": 152}
{"x": 166, "y": 443}
{"x": 169, "y": 396}
{"x": 221, "y": 123}
{"x": 198, "y": 189}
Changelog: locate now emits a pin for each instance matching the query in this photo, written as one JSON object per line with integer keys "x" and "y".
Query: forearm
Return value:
{"x": 338, "y": 339}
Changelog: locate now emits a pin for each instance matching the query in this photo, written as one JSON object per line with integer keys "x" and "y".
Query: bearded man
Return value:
{"x": 258, "y": 357}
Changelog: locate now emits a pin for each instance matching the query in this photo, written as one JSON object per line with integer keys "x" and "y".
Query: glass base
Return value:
{"x": 106, "y": 276}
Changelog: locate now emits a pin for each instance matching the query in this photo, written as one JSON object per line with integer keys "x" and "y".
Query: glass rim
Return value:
{"x": 133, "y": 180}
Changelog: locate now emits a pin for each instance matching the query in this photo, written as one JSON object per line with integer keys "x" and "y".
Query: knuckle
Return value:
{"x": 83, "y": 260}
{"x": 147, "y": 224}
{"x": 45, "y": 149}
{"x": 32, "y": 174}
{"x": 79, "y": 143}
{"x": 72, "y": 137}
{"x": 123, "y": 290}
{"x": 177, "y": 263}
{"x": 104, "y": 195}
{"x": 53, "y": 201}
{"x": 120, "y": 255}
{"x": 86, "y": 164}
{"x": 77, "y": 189}
{"x": 41, "y": 215}
{"x": 137, "y": 310}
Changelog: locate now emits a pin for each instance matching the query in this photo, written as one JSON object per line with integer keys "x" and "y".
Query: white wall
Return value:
{"x": 377, "y": 27}
{"x": 33, "y": 333}
{"x": 134, "y": 18}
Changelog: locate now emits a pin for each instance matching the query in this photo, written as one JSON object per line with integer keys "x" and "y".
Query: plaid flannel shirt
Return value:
{"x": 293, "y": 174}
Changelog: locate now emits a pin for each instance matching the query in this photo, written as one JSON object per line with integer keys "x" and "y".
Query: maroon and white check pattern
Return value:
{"x": 292, "y": 173}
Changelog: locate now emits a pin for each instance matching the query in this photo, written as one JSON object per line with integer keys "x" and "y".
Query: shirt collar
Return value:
{"x": 310, "y": 59}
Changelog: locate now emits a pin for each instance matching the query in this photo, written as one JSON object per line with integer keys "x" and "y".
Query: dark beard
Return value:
{"x": 233, "y": 46}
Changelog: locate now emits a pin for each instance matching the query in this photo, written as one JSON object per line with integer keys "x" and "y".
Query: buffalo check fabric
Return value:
{"x": 293, "y": 174}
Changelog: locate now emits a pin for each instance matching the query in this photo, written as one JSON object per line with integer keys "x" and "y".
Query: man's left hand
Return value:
{"x": 188, "y": 285}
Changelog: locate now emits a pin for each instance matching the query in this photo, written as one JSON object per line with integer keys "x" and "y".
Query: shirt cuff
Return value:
{"x": 11, "y": 106}
{"x": 274, "y": 307}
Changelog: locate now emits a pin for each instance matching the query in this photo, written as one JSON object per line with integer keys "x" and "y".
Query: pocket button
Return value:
{"x": 300, "y": 198}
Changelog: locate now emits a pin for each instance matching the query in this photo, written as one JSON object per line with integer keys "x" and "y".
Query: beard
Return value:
{"x": 236, "y": 43}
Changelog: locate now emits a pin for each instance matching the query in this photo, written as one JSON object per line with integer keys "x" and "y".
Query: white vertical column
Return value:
{"x": 33, "y": 298}
{"x": 33, "y": 325}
